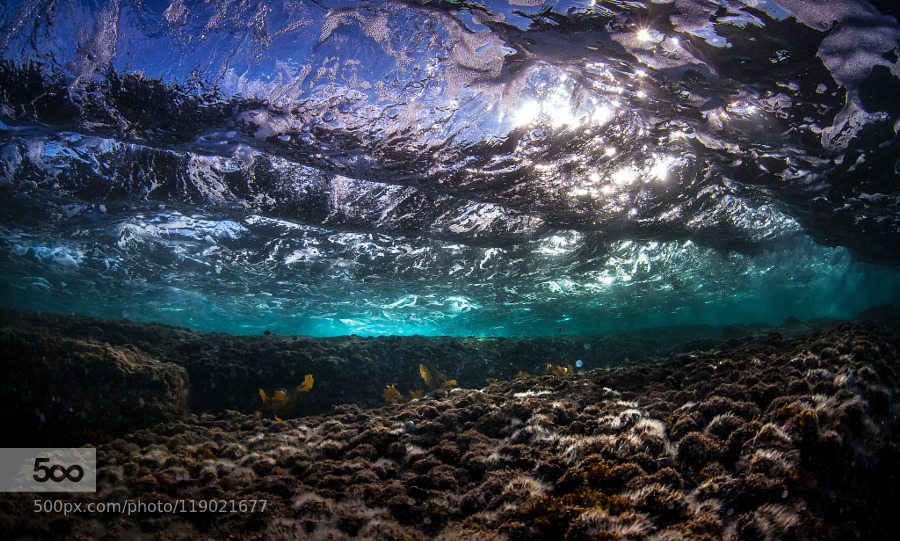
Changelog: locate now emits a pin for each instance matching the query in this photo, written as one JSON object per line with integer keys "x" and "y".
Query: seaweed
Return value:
{"x": 433, "y": 379}
{"x": 285, "y": 402}
{"x": 552, "y": 514}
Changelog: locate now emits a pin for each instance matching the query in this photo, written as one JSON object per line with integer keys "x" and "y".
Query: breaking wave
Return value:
{"x": 440, "y": 167}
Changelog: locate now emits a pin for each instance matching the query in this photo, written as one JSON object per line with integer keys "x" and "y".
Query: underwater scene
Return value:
{"x": 432, "y": 269}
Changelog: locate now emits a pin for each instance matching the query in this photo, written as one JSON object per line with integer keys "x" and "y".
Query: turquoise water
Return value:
{"x": 200, "y": 275}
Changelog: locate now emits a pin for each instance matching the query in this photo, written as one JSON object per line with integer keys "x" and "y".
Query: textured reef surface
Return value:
{"x": 439, "y": 167}
{"x": 762, "y": 433}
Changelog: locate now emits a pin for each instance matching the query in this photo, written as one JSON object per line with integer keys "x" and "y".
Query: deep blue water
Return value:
{"x": 463, "y": 168}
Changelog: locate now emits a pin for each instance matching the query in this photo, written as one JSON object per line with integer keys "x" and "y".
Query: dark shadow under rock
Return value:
{"x": 58, "y": 391}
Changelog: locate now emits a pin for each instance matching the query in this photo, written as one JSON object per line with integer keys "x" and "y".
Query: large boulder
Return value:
{"x": 59, "y": 391}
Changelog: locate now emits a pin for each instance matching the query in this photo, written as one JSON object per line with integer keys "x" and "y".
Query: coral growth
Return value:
{"x": 770, "y": 439}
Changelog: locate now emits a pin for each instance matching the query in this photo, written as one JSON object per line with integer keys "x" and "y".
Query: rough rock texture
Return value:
{"x": 770, "y": 439}
{"x": 226, "y": 371}
{"x": 58, "y": 391}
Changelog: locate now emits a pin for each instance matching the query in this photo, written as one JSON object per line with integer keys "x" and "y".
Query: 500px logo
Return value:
{"x": 48, "y": 470}
{"x": 57, "y": 472}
